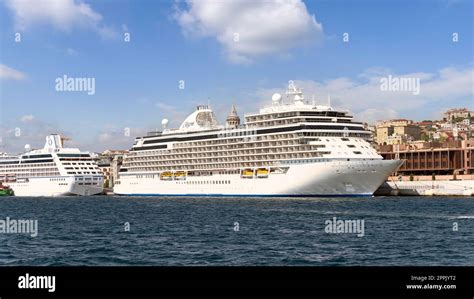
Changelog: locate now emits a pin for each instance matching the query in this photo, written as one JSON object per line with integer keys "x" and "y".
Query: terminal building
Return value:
{"x": 427, "y": 158}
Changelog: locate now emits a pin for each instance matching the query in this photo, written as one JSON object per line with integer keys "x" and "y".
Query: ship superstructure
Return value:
{"x": 290, "y": 148}
{"x": 51, "y": 171}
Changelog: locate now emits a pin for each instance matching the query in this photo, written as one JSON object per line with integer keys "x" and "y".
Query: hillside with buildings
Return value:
{"x": 429, "y": 147}
{"x": 437, "y": 154}
{"x": 457, "y": 124}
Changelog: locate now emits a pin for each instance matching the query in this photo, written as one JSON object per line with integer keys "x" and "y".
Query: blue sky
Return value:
{"x": 137, "y": 82}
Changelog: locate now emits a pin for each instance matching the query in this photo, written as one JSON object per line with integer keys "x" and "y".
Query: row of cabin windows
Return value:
{"x": 224, "y": 182}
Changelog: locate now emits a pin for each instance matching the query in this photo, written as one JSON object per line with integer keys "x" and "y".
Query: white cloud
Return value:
{"x": 31, "y": 130}
{"x": 25, "y": 130}
{"x": 166, "y": 107}
{"x": 108, "y": 32}
{"x": 27, "y": 118}
{"x": 114, "y": 138}
{"x": 373, "y": 115}
{"x": 263, "y": 27}
{"x": 63, "y": 15}
{"x": 173, "y": 113}
{"x": 10, "y": 73}
{"x": 448, "y": 87}
{"x": 71, "y": 52}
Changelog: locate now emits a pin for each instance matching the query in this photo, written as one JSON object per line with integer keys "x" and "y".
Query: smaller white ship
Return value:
{"x": 51, "y": 171}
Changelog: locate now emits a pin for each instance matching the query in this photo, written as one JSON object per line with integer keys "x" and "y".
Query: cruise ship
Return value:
{"x": 290, "y": 148}
{"x": 51, "y": 171}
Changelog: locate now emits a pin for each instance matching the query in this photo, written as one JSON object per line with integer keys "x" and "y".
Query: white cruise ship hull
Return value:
{"x": 58, "y": 186}
{"x": 331, "y": 178}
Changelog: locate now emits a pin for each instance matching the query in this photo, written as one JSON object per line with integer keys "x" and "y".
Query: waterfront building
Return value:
{"x": 109, "y": 161}
{"x": 457, "y": 113}
{"x": 397, "y": 131}
{"x": 427, "y": 158}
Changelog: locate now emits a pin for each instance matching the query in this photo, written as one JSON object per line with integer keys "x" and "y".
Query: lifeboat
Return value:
{"x": 247, "y": 173}
{"x": 262, "y": 173}
{"x": 180, "y": 175}
{"x": 166, "y": 176}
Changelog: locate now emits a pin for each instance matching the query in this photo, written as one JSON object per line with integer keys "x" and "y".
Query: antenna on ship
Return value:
{"x": 329, "y": 100}
{"x": 64, "y": 138}
{"x": 314, "y": 101}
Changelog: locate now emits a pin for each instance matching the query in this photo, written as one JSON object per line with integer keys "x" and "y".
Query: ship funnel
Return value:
{"x": 53, "y": 142}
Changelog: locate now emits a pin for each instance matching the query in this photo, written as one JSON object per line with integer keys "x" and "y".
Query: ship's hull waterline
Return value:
{"x": 333, "y": 178}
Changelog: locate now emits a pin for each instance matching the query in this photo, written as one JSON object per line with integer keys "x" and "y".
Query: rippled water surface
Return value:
{"x": 235, "y": 231}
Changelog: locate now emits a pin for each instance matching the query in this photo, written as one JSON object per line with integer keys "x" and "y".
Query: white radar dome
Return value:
{"x": 164, "y": 122}
{"x": 276, "y": 98}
